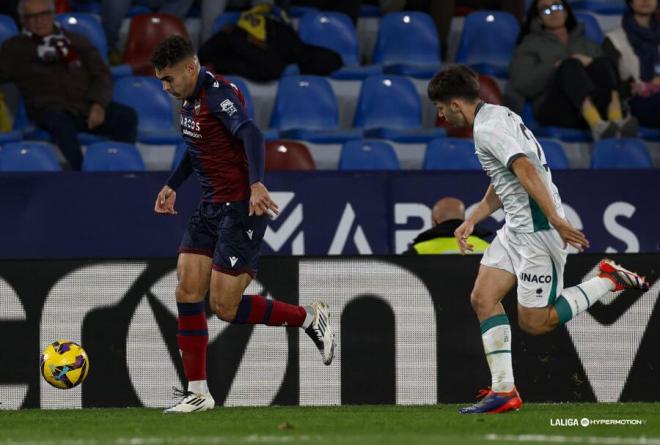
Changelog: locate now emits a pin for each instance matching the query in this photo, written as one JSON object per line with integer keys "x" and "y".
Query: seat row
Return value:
{"x": 441, "y": 154}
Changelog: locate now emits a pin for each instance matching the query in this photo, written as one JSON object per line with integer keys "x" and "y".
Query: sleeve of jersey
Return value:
{"x": 501, "y": 144}
{"x": 223, "y": 102}
{"x": 183, "y": 170}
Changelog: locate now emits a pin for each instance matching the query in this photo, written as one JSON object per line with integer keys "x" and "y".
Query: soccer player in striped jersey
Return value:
{"x": 530, "y": 250}
{"x": 220, "y": 247}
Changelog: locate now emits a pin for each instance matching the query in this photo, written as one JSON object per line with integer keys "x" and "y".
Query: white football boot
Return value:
{"x": 320, "y": 331}
{"x": 191, "y": 402}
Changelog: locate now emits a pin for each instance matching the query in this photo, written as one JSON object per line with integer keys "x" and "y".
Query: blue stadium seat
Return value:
{"x": 408, "y": 44}
{"x": 28, "y": 157}
{"x": 8, "y": 28}
{"x": 178, "y": 154}
{"x": 112, "y": 157}
{"x": 607, "y": 7}
{"x": 649, "y": 134}
{"x": 242, "y": 85}
{"x": 225, "y": 19}
{"x": 89, "y": 26}
{"x": 592, "y": 29}
{"x": 451, "y": 154}
{"x": 488, "y": 41}
{"x": 368, "y": 155}
{"x": 153, "y": 106}
{"x": 336, "y": 31}
{"x": 306, "y": 108}
{"x": 620, "y": 153}
{"x": 554, "y": 154}
{"x": 389, "y": 108}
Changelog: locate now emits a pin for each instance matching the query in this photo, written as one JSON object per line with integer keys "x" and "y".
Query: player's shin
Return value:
{"x": 255, "y": 309}
{"x": 192, "y": 338}
{"x": 577, "y": 299}
{"x": 496, "y": 337}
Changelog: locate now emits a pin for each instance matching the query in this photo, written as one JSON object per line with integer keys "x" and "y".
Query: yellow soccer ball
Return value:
{"x": 64, "y": 364}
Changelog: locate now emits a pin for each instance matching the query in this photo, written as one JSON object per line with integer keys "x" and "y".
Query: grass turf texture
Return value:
{"x": 366, "y": 424}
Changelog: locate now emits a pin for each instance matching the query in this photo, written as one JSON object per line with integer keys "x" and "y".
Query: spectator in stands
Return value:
{"x": 114, "y": 11}
{"x": 566, "y": 75}
{"x": 64, "y": 82}
{"x": 211, "y": 9}
{"x": 447, "y": 214}
{"x": 261, "y": 45}
{"x": 635, "y": 48}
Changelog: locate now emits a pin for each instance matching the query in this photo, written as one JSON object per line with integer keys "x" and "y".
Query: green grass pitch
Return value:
{"x": 363, "y": 425}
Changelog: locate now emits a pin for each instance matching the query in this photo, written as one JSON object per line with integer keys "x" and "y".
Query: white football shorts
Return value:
{"x": 536, "y": 259}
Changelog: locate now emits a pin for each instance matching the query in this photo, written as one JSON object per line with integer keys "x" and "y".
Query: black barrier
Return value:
{"x": 406, "y": 334}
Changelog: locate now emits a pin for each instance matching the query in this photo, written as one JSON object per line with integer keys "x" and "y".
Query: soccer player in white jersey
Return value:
{"x": 530, "y": 250}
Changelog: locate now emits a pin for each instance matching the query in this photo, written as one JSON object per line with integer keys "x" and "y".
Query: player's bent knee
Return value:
{"x": 186, "y": 294}
{"x": 224, "y": 311}
{"x": 480, "y": 302}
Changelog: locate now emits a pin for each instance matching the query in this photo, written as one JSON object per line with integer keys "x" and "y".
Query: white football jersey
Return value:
{"x": 500, "y": 137}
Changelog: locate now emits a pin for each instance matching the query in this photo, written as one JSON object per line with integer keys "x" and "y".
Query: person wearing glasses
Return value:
{"x": 64, "y": 82}
{"x": 566, "y": 76}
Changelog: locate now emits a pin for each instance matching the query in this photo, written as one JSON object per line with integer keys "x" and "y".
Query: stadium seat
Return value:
{"x": 451, "y": 154}
{"x": 649, "y": 134}
{"x": 592, "y": 29}
{"x": 488, "y": 41}
{"x": 554, "y": 154}
{"x": 153, "y": 106}
{"x": 288, "y": 155}
{"x": 89, "y": 26}
{"x": 225, "y": 19}
{"x": 389, "y": 108}
{"x": 335, "y": 30}
{"x": 112, "y": 157}
{"x": 28, "y": 157}
{"x": 368, "y": 155}
{"x": 306, "y": 109}
{"x": 606, "y": 7}
{"x": 8, "y": 28}
{"x": 620, "y": 153}
{"x": 242, "y": 85}
{"x": 145, "y": 32}
{"x": 408, "y": 44}
{"x": 10, "y": 136}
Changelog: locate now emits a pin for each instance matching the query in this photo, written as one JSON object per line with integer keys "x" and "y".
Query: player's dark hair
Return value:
{"x": 454, "y": 82}
{"x": 171, "y": 51}
{"x": 532, "y": 15}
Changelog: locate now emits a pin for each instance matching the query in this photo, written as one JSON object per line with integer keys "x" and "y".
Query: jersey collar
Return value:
{"x": 201, "y": 77}
{"x": 476, "y": 110}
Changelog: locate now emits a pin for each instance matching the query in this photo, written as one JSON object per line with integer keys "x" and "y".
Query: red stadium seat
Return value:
{"x": 288, "y": 155}
{"x": 490, "y": 93}
{"x": 147, "y": 31}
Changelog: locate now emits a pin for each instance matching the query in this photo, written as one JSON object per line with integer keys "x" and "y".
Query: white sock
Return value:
{"x": 308, "y": 318}
{"x": 577, "y": 299}
{"x": 198, "y": 386}
{"x": 496, "y": 337}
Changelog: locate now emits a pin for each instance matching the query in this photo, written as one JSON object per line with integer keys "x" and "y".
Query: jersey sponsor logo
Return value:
{"x": 190, "y": 123}
{"x": 227, "y": 106}
{"x": 233, "y": 260}
{"x": 535, "y": 278}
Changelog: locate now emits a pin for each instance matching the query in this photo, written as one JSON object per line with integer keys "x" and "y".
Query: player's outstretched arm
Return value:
{"x": 526, "y": 173}
{"x": 486, "y": 207}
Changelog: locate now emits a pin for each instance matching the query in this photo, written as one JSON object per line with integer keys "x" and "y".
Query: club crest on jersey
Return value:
{"x": 228, "y": 107}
